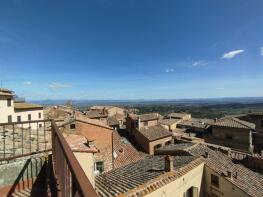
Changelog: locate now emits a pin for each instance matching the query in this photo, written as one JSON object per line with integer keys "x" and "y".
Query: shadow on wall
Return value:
{"x": 34, "y": 177}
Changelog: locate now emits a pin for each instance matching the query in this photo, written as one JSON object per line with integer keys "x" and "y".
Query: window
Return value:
{"x": 9, "y": 102}
{"x": 99, "y": 166}
{"x": 9, "y": 119}
{"x": 157, "y": 146}
{"x": 229, "y": 137}
{"x": 191, "y": 192}
{"x": 29, "y": 117}
{"x": 39, "y": 115}
{"x": 72, "y": 126}
{"x": 40, "y": 126}
{"x": 168, "y": 142}
{"x": 215, "y": 180}
{"x": 18, "y": 118}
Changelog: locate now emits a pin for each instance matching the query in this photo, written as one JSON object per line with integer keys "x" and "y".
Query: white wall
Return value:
{"x": 34, "y": 116}
{"x": 181, "y": 185}
{"x": 5, "y": 111}
{"x": 226, "y": 188}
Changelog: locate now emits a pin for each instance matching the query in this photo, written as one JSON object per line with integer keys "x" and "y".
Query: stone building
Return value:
{"x": 233, "y": 133}
{"x": 98, "y": 134}
{"x": 134, "y": 121}
{"x": 153, "y": 137}
{"x": 257, "y": 119}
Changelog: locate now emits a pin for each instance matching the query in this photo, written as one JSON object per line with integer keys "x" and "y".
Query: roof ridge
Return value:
{"x": 242, "y": 122}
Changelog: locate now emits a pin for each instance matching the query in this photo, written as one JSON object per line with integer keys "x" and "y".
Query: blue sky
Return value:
{"x": 132, "y": 49}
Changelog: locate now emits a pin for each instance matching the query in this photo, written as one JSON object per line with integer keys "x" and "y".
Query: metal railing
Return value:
{"x": 18, "y": 139}
{"x": 71, "y": 179}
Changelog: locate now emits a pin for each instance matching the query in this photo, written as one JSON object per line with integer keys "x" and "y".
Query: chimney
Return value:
{"x": 229, "y": 174}
{"x": 139, "y": 123}
{"x": 206, "y": 155}
{"x": 168, "y": 162}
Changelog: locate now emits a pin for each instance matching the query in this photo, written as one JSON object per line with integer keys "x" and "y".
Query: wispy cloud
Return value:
{"x": 56, "y": 86}
{"x": 27, "y": 83}
{"x": 261, "y": 51}
{"x": 232, "y": 54}
{"x": 199, "y": 63}
{"x": 169, "y": 70}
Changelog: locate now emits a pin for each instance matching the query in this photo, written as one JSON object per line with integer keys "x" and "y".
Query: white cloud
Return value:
{"x": 27, "y": 83}
{"x": 199, "y": 63}
{"x": 169, "y": 70}
{"x": 56, "y": 86}
{"x": 261, "y": 51}
{"x": 232, "y": 54}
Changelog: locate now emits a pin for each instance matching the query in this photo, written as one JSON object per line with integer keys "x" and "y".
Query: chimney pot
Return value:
{"x": 168, "y": 163}
{"x": 229, "y": 174}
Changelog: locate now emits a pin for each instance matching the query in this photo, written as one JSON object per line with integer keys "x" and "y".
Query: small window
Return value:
{"x": 29, "y": 117}
{"x": 72, "y": 126}
{"x": 18, "y": 118}
{"x": 229, "y": 137}
{"x": 40, "y": 126}
{"x": 99, "y": 166}
{"x": 9, "y": 119}
{"x": 157, "y": 146}
{"x": 39, "y": 115}
{"x": 9, "y": 102}
{"x": 215, "y": 180}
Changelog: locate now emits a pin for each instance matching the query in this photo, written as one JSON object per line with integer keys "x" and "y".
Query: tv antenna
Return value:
{"x": 1, "y": 82}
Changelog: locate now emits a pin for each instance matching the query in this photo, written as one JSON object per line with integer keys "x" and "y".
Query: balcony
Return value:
{"x": 39, "y": 162}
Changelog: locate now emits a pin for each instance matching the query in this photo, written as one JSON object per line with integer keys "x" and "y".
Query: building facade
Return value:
{"x": 12, "y": 111}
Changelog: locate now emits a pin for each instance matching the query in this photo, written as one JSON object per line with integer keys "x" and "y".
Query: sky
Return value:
{"x": 132, "y": 49}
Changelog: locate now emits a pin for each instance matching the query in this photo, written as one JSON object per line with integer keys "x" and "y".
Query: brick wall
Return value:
{"x": 102, "y": 137}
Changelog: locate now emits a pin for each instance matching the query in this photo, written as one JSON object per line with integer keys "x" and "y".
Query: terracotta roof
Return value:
{"x": 83, "y": 118}
{"x": 178, "y": 115}
{"x": 143, "y": 176}
{"x": 22, "y": 106}
{"x": 234, "y": 123}
{"x": 100, "y": 107}
{"x": 145, "y": 117}
{"x": 169, "y": 121}
{"x": 247, "y": 180}
{"x": 197, "y": 123}
{"x": 114, "y": 120}
{"x": 256, "y": 113}
{"x": 78, "y": 143}
{"x": 95, "y": 114}
{"x": 6, "y": 92}
{"x": 124, "y": 152}
{"x": 154, "y": 132}
{"x": 177, "y": 146}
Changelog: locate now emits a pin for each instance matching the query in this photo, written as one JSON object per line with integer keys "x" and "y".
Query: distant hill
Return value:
{"x": 237, "y": 100}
